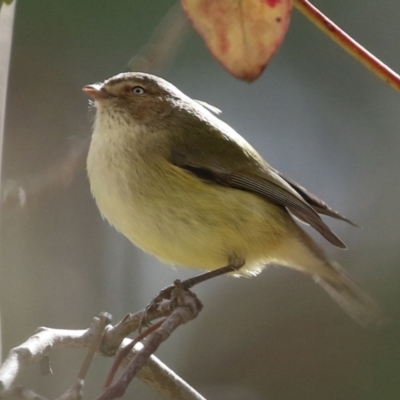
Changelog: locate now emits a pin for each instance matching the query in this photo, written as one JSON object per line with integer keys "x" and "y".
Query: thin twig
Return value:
{"x": 188, "y": 307}
{"x": 37, "y": 347}
{"x": 125, "y": 350}
{"x": 114, "y": 336}
{"x": 75, "y": 392}
{"x": 104, "y": 320}
{"x": 348, "y": 43}
{"x": 20, "y": 392}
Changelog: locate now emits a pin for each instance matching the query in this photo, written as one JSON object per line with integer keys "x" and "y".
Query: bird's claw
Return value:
{"x": 165, "y": 294}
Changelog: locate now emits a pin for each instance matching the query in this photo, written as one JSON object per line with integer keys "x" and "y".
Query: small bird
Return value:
{"x": 186, "y": 187}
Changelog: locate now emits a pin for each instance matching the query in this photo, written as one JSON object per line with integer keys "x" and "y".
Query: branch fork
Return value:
{"x": 108, "y": 340}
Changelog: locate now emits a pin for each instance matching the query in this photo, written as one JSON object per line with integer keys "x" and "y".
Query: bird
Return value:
{"x": 184, "y": 186}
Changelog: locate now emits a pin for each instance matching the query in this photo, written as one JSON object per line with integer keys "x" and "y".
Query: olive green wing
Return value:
{"x": 270, "y": 190}
{"x": 215, "y": 153}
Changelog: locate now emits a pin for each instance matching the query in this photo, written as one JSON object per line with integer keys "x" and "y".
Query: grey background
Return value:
{"x": 316, "y": 114}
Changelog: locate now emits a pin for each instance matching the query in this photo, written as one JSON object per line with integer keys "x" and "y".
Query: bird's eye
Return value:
{"x": 138, "y": 90}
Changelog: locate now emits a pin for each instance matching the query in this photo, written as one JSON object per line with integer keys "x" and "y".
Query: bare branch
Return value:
{"x": 76, "y": 391}
{"x": 20, "y": 392}
{"x": 187, "y": 308}
{"x": 124, "y": 351}
{"x": 114, "y": 336}
{"x": 165, "y": 381}
{"x": 104, "y": 320}
{"x": 154, "y": 373}
{"x": 39, "y": 346}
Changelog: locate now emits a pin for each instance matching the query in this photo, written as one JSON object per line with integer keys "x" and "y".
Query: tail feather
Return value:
{"x": 352, "y": 298}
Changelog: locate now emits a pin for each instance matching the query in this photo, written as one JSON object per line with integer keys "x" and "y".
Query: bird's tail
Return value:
{"x": 351, "y": 297}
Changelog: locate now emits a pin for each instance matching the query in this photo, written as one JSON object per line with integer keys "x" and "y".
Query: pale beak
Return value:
{"x": 96, "y": 91}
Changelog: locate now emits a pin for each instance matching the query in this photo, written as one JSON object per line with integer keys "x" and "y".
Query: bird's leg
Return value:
{"x": 166, "y": 293}
{"x": 232, "y": 267}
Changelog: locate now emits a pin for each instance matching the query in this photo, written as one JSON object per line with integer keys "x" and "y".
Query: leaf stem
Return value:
{"x": 349, "y": 44}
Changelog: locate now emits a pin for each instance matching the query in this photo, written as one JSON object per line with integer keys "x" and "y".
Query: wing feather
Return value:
{"x": 214, "y": 152}
{"x": 272, "y": 191}
{"x": 319, "y": 206}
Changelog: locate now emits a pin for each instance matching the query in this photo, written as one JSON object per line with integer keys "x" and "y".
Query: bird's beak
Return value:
{"x": 96, "y": 91}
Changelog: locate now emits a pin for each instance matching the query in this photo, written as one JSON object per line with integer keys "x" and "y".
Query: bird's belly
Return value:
{"x": 187, "y": 235}
{"x": 185, "y": 221}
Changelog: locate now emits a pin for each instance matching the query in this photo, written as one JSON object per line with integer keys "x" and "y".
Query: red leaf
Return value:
{"x": 244, "y": 34}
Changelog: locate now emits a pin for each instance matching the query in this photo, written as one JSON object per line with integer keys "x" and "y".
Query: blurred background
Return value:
{"x": 316, "y": 114}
